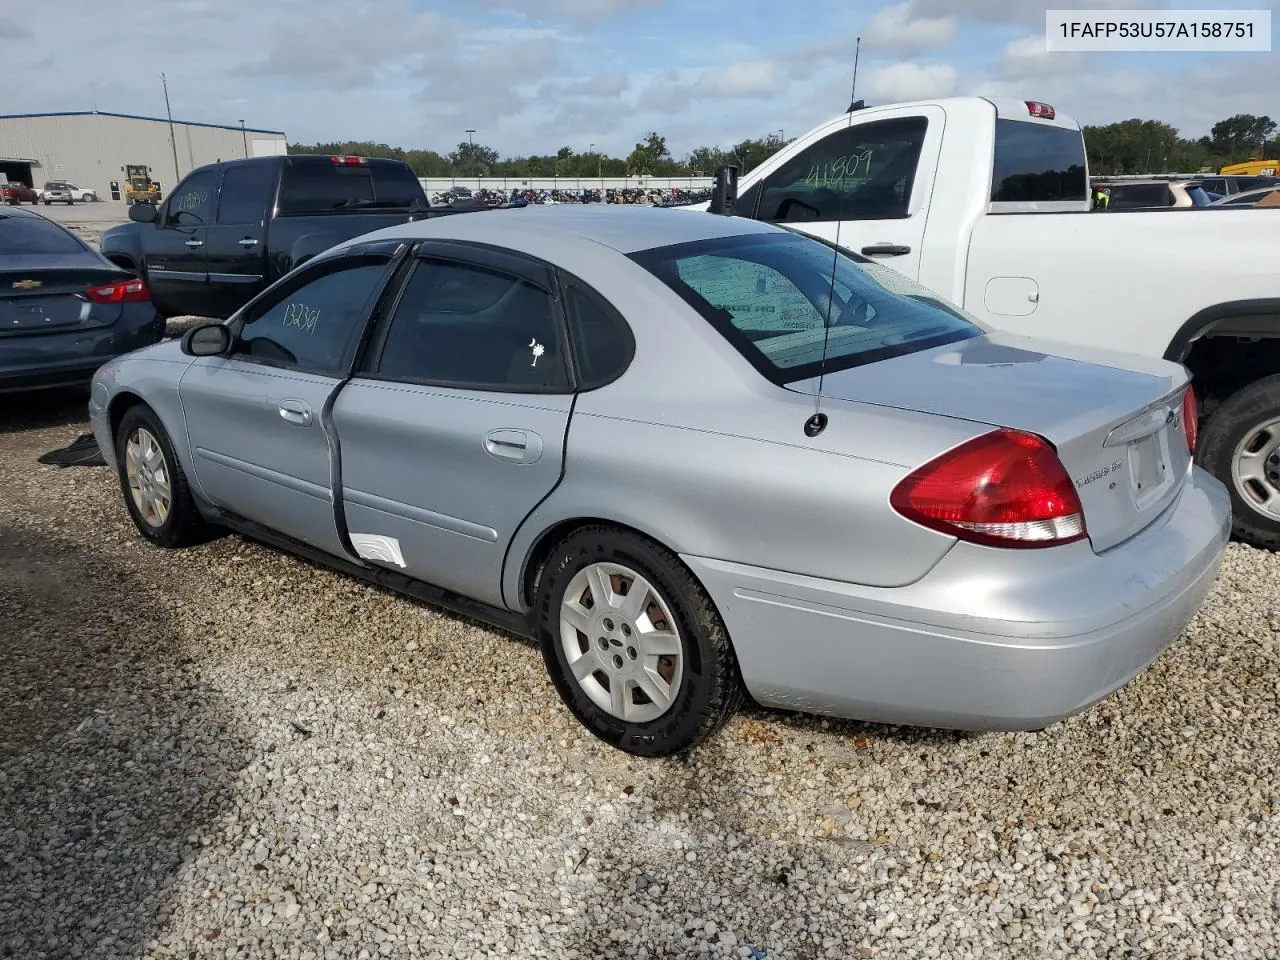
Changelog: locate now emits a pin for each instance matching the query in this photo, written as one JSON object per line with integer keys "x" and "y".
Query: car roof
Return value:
{"x": 623, "y": 228}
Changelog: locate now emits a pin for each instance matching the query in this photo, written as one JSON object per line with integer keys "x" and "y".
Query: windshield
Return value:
{"x": 34, "y": 236}
{"x": 772, "y": 297}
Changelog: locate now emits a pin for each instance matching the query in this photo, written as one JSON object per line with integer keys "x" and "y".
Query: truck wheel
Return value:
{"x": 1240, "y": 445}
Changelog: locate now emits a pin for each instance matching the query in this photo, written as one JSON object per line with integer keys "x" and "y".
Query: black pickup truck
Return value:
{"x": 230, "y": 229}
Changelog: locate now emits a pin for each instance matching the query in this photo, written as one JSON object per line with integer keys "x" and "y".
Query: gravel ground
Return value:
{"x": 228, "y": 752}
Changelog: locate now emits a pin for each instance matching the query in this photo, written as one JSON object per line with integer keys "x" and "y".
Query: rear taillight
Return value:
{"x": 1005, "y": 488}
{"x": 1190, "y": 418}
{"x": 1041, "y": 110}
{"x": 125, "y": 291}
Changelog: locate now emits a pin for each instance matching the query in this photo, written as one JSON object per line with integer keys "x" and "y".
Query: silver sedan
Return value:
{"x": 693, "y": 456}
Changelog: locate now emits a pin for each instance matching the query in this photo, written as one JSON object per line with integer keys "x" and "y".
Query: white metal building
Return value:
{"x": 91, "y": 149}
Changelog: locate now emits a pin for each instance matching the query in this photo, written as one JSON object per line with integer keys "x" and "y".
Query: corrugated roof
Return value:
{"x": 134, "y": 116}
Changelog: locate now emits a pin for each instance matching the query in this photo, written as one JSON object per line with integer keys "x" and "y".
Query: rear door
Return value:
{"x": 453, "y": 429}
{"x": 257, "y": 418}
{"x": 236, "y": 240}
{"x": 176, "y": 264}
{"x": 864, "y": 182}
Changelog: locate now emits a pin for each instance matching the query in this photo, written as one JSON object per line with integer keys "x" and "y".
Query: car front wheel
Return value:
{"x": 633, "y": 644}
{"x": 153, "y": 482}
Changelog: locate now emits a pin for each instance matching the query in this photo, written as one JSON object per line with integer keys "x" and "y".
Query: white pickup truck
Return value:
{"x": 987, "y": 202}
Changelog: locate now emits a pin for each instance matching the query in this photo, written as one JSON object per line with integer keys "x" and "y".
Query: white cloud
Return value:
{"x": 585, "y": 10}
{"x": 901, "y": 27}
{"x": 1029, "y": 12}
{"x": 747, "y": 78}
{"x": 11, "y": 29}
{"x": 907, "y": 80}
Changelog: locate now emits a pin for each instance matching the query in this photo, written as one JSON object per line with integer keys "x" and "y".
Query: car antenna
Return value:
{"x": 818, "y": 422}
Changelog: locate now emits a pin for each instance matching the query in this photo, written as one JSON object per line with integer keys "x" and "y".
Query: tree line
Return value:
{"x": 1128, "y": 147}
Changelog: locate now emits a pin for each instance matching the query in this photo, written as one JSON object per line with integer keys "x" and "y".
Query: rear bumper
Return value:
{"x": 988, "y": 639}
{"x": 70, "y": 358}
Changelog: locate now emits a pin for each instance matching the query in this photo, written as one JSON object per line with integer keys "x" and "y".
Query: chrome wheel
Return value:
{"x": 148, "y": 477}
{"x": 1255, "y": 468}
{"x": 621, "y": 642}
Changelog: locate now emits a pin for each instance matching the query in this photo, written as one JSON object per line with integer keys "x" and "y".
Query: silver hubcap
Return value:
{"x": 1255, "y": 468}
{"x": 148, "y": 476}
{"x": 621, "y": 642}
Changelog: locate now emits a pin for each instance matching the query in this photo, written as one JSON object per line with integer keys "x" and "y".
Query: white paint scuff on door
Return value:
{"x": 373, "y": 546}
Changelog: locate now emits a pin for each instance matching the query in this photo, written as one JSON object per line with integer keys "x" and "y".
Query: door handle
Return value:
{"x": 885, "y": 250}
{"x": 248, "y": 242}
{"x": 195, "y": 243}
{"x": 295, "y": 411}
{"x": 517, "y": 446}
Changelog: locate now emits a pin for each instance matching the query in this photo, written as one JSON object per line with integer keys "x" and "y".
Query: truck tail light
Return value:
{"x": 346, "y": 161}
{"x": 1190, "y": 418}
{"x": 1041, "y": 110}
{"x": 124, "y": 291}
{"x": 1004, "y": 489}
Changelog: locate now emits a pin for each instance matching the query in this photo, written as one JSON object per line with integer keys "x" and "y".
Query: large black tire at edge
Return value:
{"x": 711, "y": 688}
{"x": 184, "y": 526}
{"x": 1219, "y": 436}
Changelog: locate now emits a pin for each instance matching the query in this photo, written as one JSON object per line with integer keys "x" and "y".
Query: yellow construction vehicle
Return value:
{"x": 138, "y": 185}
{"x": 1251, "y": 168}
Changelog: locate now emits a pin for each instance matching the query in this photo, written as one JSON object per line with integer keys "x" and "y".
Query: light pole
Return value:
{"x": 245, "y": 137}
{"x": 469, "y": 133}
{"x": 781, "y": 136}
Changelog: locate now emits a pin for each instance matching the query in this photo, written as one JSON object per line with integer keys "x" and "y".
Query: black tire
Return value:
{"x": 1234, "y": 419}
{"x": 710, "y": 688}
{"x": 47, "y": 202}
{"x": 183, "y": 526}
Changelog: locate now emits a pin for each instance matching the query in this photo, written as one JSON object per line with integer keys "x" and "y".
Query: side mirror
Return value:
{"x": 724, "y": 195}
{"x": 143, "y": 213}
{"x": 207, "y": 340}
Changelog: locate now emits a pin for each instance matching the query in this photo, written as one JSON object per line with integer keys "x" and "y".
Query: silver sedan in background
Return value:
{"x": 693, "y": 456}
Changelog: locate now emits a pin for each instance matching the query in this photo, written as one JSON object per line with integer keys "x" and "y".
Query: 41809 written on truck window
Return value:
{"x": 835, "y": 172}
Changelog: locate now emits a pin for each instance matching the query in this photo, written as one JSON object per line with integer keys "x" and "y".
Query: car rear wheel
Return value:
{"x": 633, "y": 644}
{"x": 153, "y": 482}
{"x": 1240, "y": 445}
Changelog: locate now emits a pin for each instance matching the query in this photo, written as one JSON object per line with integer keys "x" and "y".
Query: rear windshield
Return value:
{"x": 319, "y": 187}
{"x": 772, "y": 297}
{"x": 34, "y": 236}
{"x": 1037, "y": 163}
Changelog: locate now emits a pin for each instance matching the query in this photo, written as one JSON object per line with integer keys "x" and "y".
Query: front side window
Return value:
{"x": 470, "y": 326}
{"x": 192, "y": 203}
{"x": 785, "y": 302}
{"x": 863, "y": 172}
{"x": 1036, "y": 163}
{"x": 315, "y": 324}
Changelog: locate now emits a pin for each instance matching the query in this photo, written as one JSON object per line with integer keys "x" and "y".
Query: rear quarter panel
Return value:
{"x": 293, "y": 240}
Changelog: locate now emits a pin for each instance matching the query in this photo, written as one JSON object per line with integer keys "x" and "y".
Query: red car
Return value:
{"x": 15, "y": 193}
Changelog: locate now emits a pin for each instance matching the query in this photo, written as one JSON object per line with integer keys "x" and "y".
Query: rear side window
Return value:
{"x": 246, "y": 191}
{"x": 35, "y": 236}
{"x": 785, "y": 301}
{"x": 1128, "y": 196}
{"x": 473, "y": 327}
{"x": 1036, "y": 163}
{"x": 320, "y": 186}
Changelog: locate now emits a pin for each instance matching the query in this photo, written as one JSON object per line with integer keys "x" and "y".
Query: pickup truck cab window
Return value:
{"x": 1037, "y": 163}
{"x": 245, "y": 194}
{"x": 192, "y": 202}
{"x": 313, "y": 323}
{"x": 860, "y": 172}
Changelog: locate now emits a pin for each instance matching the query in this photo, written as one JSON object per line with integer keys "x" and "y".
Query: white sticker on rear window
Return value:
{"x": 373, "y": 546}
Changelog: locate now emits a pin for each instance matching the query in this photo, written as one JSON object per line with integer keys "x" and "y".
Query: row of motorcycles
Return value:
{"x": 462, "y": 197}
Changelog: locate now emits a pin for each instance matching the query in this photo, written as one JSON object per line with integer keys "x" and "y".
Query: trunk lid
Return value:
{"x": 1115, "y": 419}
{"x": 49, "y": 298}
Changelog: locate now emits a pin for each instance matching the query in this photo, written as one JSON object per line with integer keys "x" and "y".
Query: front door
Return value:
{"x": 236, "y": 242}
{"x": 177, "y": 269}
{"x": 862, "y": 184}
{"x": 256, "y": 418}
{"x": 453, "y": 430}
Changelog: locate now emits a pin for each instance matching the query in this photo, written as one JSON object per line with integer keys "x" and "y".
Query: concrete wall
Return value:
{"x": 506, "y": 184}
{"x": 91, "y": 150}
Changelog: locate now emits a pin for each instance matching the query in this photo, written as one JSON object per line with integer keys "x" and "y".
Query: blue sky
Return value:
{"x": 533, "y": 75}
